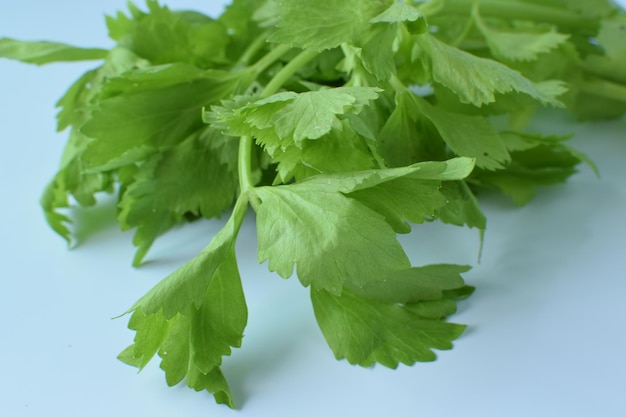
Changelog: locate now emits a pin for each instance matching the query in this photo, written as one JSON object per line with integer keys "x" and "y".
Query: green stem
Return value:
{"x": 397, "y": 84}
{"x": 239, "y": 211}
{"x": 604, "y": 88}
{"x": 513, "y": 10}
{"x": 271, "y": 57}
{"x": 466, "y": 31}
{"x": 287, "y": 72}
{"x": 246, "y": 143}
{"x": 245, "y": 164}
{"x": 252, "y": 50}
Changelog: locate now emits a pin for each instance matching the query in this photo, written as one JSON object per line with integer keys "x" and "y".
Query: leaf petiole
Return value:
{"x": 604, "y": 88}
{"x": 521, "y": 11}
{"x": 246, "y": 142}
{"x": 239, "y": 211}
{"x": 287, "y": 71}
{"x": 252, "y": 50}
{"x": 267, "y": 60}
{"x": 245, "y": 164}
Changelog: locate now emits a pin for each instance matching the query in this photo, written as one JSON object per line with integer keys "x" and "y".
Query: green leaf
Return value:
{"x": 312, "y": 114}
{"x": 477, "y": 80}
{"x": 327, "y": 236}
{"x": 332, "y": 238}
{"x": 544, "y": 164}
{"x": 193, "y": 318}
{"x": 188, "y": 285}
{"x": 53, "y": 198}
{"x": 214, "y": 382}
{"x": 43, "y": 52}
{"x": 470, "y": 136}
{"x": 403, "y": 199}
{"x": 366, "y": 332}
{"x": 517, "y": 45}
{"x": 518, "y": 141}
{"x": 163, "y": 36}
{"x": 74, "y": 101}
{"x": 149, "y": 110}
{"x": 172, "y": 339}
{"x": 151, "y": 330}
{"x": 191, "y": 179}
{"x": 287, "y": 118}
{"x": 398, "y": 12}
{"x": 375, "y": 42}
{"x": 325, "y": 24}
{"x": 72, "y": 181}
{"x": 462, "y": 206}
{"x": 220, "y": 321}
{"x": 405, "y": 139}
{"x": 340, "y": 150}
{"x": 377, "y": 52}
{"x": 138, "y": 210}
{"x": 414, "y": 284}
{"x": 348, "y": 182}
{"x": 173, "y": 346}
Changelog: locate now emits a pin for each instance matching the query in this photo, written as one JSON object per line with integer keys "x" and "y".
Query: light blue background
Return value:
{"x": 547, "y": 322}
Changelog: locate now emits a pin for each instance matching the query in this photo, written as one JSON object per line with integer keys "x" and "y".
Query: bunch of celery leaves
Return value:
{"x": 340, "y": 124}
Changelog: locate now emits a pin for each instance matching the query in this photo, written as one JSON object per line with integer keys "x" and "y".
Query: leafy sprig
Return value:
{"x": 340, "y": 125}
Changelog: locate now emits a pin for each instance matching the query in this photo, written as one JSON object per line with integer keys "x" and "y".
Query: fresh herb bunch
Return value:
{"x": 339, "y": 123}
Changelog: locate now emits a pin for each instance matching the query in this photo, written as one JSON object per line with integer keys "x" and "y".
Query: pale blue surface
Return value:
{"x": 547, "y": 331}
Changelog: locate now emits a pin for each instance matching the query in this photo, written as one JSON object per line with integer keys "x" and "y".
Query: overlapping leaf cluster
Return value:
{"x": 340, "y": 124}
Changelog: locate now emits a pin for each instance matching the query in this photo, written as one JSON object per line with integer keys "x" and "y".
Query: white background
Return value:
{"x": 547, "y": 322}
